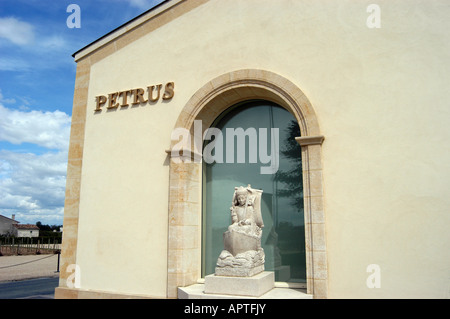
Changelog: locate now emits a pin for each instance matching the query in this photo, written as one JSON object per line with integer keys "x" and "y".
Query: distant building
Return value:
{"x": 6, "y": 224}
{"x": 25, "y": 230}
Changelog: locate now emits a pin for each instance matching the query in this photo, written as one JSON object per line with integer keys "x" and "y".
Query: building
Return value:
{"x": 346, "y": 106}
{"x": 25, "y": 230}
{"x": 12, "y": 227}
{"x": 6, "y": 225}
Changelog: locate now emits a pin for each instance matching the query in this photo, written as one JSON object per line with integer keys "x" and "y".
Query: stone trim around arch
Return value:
{"x": 185, "y": 193}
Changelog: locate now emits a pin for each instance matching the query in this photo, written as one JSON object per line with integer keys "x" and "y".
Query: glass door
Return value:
{"x": 283, "y": 238}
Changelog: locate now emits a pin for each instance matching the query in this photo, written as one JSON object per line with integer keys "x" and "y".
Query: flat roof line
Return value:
{"x": 111, "y": 33}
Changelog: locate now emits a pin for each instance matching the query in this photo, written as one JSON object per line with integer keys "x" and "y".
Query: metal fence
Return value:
{"x": 29, "y": 245}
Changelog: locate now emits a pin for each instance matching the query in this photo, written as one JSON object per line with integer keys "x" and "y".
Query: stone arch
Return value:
{"x": 230, "y": 88}
{"x": 184, "y": 238}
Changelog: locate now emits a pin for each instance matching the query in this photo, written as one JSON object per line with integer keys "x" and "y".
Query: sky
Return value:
{"x": 37, "y": 78}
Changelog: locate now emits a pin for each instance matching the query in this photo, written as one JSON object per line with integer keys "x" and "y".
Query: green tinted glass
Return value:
{"x": 283, "y": 238}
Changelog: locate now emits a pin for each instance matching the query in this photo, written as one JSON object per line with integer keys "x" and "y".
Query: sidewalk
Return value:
{"x": 28, "y": 267}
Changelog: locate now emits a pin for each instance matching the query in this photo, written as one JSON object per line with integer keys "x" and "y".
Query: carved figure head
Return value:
{"x": 241, "y": 196}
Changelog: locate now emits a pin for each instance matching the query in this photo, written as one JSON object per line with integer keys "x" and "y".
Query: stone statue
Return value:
{"x": 244, "y": 213}
{"x": 243, "y": 255}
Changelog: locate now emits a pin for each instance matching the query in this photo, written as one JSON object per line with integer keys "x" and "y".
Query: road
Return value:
{"x": 41, "y": 288}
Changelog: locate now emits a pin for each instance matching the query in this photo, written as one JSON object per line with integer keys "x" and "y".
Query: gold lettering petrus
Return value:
{"x": 112, "y": 101}
{"x": 151, "y": 89}
{"x": 168, "y": 92}
{"x": 136, "y": 97}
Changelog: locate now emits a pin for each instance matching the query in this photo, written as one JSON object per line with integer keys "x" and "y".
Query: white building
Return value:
{"x": 6, "y": 225}
{"x": 25, "y": 230}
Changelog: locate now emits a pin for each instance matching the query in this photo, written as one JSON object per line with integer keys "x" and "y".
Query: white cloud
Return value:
{"x": 46, "y": 129}
{"x": 13, "y": 64}
{"x": 53, "y": 42}
{"x": 22, "y": 44}
{"x": 16, "y": 31}
{"x": 32, "y": 186}
{"x": 7, "y": 101}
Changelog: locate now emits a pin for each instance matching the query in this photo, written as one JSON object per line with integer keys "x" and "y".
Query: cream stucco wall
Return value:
{"x": 380, "y": 97}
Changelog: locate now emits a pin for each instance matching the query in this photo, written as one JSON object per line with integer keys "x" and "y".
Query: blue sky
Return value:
{"x": 37, "y": 78}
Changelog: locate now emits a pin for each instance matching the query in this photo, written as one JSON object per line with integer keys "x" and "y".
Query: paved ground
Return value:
{"x": 39, "y": 288}
{"x": 27, "y": 267}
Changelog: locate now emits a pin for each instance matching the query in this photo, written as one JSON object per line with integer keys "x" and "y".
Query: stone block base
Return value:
{"x": 254, "y": 286}
{"x": 196, "y": 291}
{"x": 239, "y": 272}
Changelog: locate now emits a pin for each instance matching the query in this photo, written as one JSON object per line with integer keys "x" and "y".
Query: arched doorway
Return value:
{"x": 184, "y": 262}
{"x": 242, "y": 129}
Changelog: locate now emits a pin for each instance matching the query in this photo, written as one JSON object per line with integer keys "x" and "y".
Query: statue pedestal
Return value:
{"x": 254, "y": 286}
{"x": 239, "y": 272}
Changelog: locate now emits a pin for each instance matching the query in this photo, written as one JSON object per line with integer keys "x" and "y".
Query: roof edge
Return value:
{"x": 14, "y": 220}
{"x": 25, "y": 226}
{"x": 127, "y": 26}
